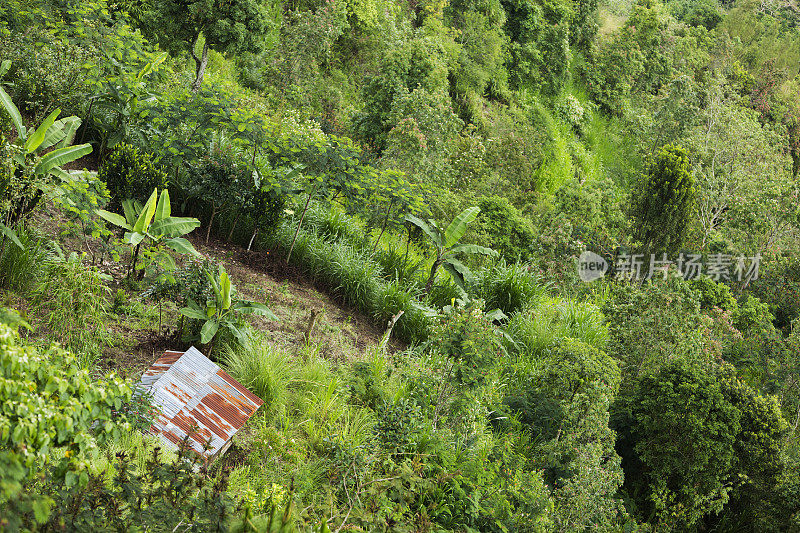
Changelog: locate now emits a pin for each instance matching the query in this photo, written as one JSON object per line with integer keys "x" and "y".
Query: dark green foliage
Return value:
{"x": 713, "y": 294}
{"x": 501, "y": 226}
{"x": 565, "y": 404}
{"x": 402, "y": 71}
{"x": 397, "y": 426}
{"x": 584, "y": 24}
{"x": 705, "y": 13}
{"x": 664, "y": 201}
{"x": 46, "y": 70}
{"x": 684, "y": 478}
{"x": 539, "y": 34}
{"x": 228, "y": 26}
{"x": 54, "y": 414}
{"x": 131, "y": 175}
{"x": 637, "y": 59}
{"x": 480, "y": 70}
{"x": 753, "y": 316}
{"x": 217, "y": 183}
{"x": 727, "y": 432}
{"x": 160, "y": 498}
{"x": 779, "y": 287}
{"x": 654, "y": 324}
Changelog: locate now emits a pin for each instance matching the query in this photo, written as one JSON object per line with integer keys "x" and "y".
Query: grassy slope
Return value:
{"x": 340, "y": 333}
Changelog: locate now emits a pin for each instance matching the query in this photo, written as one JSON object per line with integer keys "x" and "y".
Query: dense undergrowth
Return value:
{"x": 437, "y": 169}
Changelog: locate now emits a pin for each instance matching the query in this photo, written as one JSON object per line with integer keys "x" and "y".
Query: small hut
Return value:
{"x": 194, "y": 397}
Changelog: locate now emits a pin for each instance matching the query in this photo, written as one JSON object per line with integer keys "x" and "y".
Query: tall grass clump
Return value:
{"x": 357, "y": 276}
{"x": 358, "y": 280}
{"x": 408, "y": 265}
{"x": 508, "y": 287}
{"x": 263, "y": 369}
{"x": 538, "y": 326}
{"x": 20, "y": 268}
{"x": 444, "y": 291}
{"x": 413, "y": 327}
{"x": 72, "y": 301}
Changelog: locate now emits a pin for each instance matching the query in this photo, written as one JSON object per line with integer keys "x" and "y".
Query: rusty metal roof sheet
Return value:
{"x": 195, "y": 397}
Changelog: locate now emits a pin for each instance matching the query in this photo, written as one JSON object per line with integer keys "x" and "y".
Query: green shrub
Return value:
{"x": 713, "y": 294}
{"x": 706, "y": 13}
{"x": 131, "y": 174}
{"x": 664, "y": 201}
{"x": 752, "y": 316}
{"x": 47, "y": 71}
{"x": 53, "y": 414}
{"x": 502, "y": 227}
{"x": 778, "y": 285}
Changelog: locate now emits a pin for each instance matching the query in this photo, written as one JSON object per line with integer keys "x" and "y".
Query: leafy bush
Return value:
{"x": 731, "y": 432}
{"x": 217, "y": 183}
{"x": 470, "y": 349}
{"x": 713, "y": 294}
{"x": 779, "y": 287}
{"x": 47, "y": 71}
{"x": 40, "y": 427}
{"x": 80, "y": 197}
{"x": 72, "y": 300}
{"x": 752, "y": 316}
{"x": 503, "y": 227}
{"x": 665, "y": 201}
{"x": 565, "y": 403}
{"x": 706, "y": 13}
{"x": 165, "y": 495}
{"x": 131, "y": 175}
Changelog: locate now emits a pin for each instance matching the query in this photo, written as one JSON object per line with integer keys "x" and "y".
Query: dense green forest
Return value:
{"x": 492, "y": 265}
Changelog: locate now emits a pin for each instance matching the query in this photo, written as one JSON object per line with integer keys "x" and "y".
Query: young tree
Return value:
{"x": 447, "y": 248}
{"x": 226, "y": 26}
{"x": 665, "y": 201}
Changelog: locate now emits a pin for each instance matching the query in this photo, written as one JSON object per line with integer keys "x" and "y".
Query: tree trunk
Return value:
{"x": 133, "y": 260}
{"x": 408, "y": 244}
{"x": 250, "y": 244}
{"x": 434, "y": 268}
{"x": 86, "y": 122}
{"x": 211, "y": 223}
{"x": 383, "y": 229}
{"x": 297, "y": 231}
{"x": 200, "y": 63}
{"x": 235, "y": 221}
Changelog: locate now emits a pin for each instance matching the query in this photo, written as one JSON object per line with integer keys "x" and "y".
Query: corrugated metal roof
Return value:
{"x": 195, "y": 397}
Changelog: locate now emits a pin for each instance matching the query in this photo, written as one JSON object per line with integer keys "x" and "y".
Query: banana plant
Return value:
{"x": 37, "y": 156}
{"x": 152, "y": 223}
{"x": 224, "y": 312}
{"x": 445, "y": 241}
